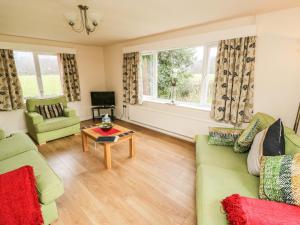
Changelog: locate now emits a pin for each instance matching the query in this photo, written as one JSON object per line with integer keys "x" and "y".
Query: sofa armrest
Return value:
{"x": 2, "y": 134}
{"x": 34, "y": 118}
{"x": 69, "y": 112}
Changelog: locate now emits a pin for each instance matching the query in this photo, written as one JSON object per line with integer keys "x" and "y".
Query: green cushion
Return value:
{"x": 69, "y": 112}
{"x": 214, "y": 184}
{"x": 221, "y": 156}
{"x": 15, "y": 144}
{"x": 2, "y": 134}
{"x": 56, "y": 123}
{"x": 49, "y": 185}
{"x": 33, "y": 102}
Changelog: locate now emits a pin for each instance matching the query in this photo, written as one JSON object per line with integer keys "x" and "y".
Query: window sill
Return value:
{"x": 178, "y": 104}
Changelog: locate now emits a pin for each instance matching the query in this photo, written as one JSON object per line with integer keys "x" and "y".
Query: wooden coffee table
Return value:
{"x": 124, "y": 136}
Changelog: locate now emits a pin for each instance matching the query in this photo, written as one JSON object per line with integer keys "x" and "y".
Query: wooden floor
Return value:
{"x": 156, "y": 187}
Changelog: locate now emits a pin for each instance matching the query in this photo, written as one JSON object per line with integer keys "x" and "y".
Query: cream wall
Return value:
{"x": 277, "y": 75}
{"x": 91, "y": 71}
{"x": 277, "y": 80}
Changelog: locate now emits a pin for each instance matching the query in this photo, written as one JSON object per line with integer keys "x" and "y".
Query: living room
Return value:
{"x": 178, "y": 148}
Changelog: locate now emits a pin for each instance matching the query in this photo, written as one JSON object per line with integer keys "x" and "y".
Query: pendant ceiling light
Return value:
{"x": 85, "y": 22}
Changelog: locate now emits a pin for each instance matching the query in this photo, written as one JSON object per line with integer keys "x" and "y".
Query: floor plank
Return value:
{"x": 157, "y": 186}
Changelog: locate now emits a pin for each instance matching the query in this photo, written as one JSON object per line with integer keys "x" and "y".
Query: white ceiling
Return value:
{"x": 123, "y": 19}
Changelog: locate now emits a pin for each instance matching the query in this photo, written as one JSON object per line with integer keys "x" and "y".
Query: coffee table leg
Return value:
{"x": 132, "y": 146}
{"x": 107, "y": 156}
{"x": 84, "y": 141}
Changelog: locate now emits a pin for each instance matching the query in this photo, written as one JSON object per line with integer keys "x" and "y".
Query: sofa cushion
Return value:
{"x": 245, "y": 140}
{"x": 274, "y": 142}
{"x": 50, "y": 111}
{"x": 213, "y": 185}
{"x": 226, "y": 136}
{"x": 279, "y": 179}
{"x": 56, "y": 123}
{"x": 221, "y": 156}
{"x": 15, "y": 144}
{"x": 49, "y": 185}
{"x": 68, "y": 112}
{"x": 255, "y": 154}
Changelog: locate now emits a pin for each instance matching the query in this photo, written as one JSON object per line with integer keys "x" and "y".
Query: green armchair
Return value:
{"x": 43, "y": 130}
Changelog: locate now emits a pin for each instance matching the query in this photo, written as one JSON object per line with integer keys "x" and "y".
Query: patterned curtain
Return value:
{"x": 130, "y": 77}
{"x": 70, "y": 77}
{"x": 11, "y": 97}
{"x": 234, "y": 83}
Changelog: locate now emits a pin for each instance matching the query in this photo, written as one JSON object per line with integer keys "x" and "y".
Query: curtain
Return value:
{"x": 234, "y": 82}
{"x": 11, "y": 97}
{"x": 130, "y": 77}
{"x": 70, "y": 77}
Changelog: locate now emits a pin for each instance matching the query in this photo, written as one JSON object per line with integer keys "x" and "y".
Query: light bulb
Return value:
{"x": 71, "y": 18}
{"x": 95, "y": 18}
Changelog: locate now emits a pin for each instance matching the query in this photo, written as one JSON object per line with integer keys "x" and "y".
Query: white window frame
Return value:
{"x": 38, "y": 73}
{"x": 204, "y": 81}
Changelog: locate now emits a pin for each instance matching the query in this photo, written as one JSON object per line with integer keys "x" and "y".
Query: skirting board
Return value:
{"x": 182, "y": 137}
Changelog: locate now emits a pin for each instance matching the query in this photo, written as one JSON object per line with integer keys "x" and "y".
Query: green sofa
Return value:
{"x": 221, "y": 172}
{"x": 18, "y": 150}
{"x": 43, "y": 130}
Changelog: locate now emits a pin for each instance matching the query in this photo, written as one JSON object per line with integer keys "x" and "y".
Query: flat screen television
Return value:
{"x": 103, "y": 98}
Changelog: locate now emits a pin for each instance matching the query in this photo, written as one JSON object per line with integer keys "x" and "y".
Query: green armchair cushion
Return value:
{"x": 56, "y": 123}
{"x": 69, "y": 112}
{"x": 2, "y": 134}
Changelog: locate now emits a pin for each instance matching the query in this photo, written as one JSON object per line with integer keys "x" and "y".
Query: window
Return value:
{"x": 39, "y": 74}
{"x": 184, "y": 76}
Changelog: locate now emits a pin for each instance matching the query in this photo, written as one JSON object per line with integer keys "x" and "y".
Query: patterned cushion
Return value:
{"x": 50, "y": 111}
{"x": 245, "y": 140}
{"x": 280, "y": 179}
{"x": 223, "y": 136}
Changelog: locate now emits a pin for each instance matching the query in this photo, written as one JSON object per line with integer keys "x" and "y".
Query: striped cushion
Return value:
{"x": 50, "y": 111}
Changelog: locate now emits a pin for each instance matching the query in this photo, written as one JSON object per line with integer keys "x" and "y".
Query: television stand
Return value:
{"x": 98, "y": 109}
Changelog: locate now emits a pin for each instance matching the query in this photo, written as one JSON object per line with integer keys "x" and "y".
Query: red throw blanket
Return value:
{"x": 251, "y": 211}
{"x": 19, "y": 203}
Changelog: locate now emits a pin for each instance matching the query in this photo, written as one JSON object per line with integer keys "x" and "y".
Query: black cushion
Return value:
{"x": 274, "y": 143}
